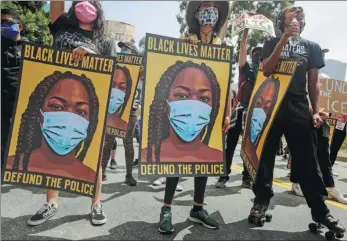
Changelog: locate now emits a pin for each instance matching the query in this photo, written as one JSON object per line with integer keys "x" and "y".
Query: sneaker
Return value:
{"x": 296, "y": 189}
{"x": 104, "y": 177}
{"x": 136, "y": 163}
{"x": 333, "y": 224}
{"x": 179, "y": 188}
{"x": 113, "y": 165}
{"x": 247, "y": 184}
{"x": 165, "y": 224}
{"x": 46, "y": 212}
{"x": 97, "y": 215}
{"x": 159, "y": 181}
{"x": 335, "y": 195}
{"x": 130, "y": 180}
{"x": 203, "y": 218}
{"x": 221, "y": 182}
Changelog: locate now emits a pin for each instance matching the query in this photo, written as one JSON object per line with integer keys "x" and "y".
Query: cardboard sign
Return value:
{"x": 333, "y": 96}
{"x": 185, "y": 92}
{"x": 59, "y": 120}
{"x": 253, "y": 21}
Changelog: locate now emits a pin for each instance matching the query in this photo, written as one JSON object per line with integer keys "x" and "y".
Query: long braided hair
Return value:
{"x": 30, "y": 135}
{"x": 158, "y": 120}
{"x": 128, "y": 90}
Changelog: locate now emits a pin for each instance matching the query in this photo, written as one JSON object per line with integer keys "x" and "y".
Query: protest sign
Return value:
{"x": 341, "y": 120}
{"x": 265, "y": 100}
{"x": 185, "y": 94}
{"x": 122, "y": 94}
{"x": 333, "y": 95}
{"x": 253, "y": 21}
{"x": 59, "y": 120}
{"x": 332, "y": 124}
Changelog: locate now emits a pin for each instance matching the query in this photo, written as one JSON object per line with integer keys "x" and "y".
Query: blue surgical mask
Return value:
{"x": 9, "y": 30}
{"x": 63, "y": 131}
{"x": 123, "y": 51}
{"x": 116, "y": 100}
{"x": 257, "y": 122}
{"x": 188, "y": 118}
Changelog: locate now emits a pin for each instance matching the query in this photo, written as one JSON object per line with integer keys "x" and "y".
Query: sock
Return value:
{"x": 197, "y": 208}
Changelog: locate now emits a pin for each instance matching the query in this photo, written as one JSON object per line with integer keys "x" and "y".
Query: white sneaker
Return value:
{"x": 179, "y": 188}
{"x": 296, "y": 189}
{"x": 159, "y": 181}
{"x": 335, "y": 195}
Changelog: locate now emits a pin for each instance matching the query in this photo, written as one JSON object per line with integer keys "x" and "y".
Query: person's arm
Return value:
{"x": 270, "y": 63}
{"x": 243, "y": 48}
{"x": 57, "y": 9}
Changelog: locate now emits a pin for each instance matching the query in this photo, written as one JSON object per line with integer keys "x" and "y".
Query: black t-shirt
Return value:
{"x": 309, "y": 56}
{"x": 247, "y": 77}
{"x": 68, "y": 36}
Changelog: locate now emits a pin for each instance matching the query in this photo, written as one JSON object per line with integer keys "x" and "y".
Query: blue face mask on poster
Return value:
{"x": 124, "y": 51}
{"x": 9, "y": 30}
{"x": 257, "y": 122}
{"x": 63, "y": 131}
{"x": 116, "y": 100}
{"x": 188, "y": 118}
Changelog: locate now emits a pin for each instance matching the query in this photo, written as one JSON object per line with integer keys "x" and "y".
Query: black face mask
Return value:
{"x": 256, "y": 60}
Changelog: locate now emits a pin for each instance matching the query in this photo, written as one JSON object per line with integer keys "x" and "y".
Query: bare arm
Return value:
{"x": 313, "y": 89}
{"x": 270, "y": 64}
{"x": 57, "y": 8}
{"x": 243, "y": 49}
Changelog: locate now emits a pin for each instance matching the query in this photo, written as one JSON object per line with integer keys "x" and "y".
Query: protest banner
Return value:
{"x": 59, "y": 120}
{"x": 183, "y": 108}
{"x": 341, "y": 120}
{"x": 332, "y": 124}
{"x": 265, "y": 100}
{"x": 333, "y": 95}
{"x": 253, "y": 21}
{"x": 124, "y": 84}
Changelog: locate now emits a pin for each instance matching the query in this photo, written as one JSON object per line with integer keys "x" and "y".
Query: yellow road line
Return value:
{"x": 288, "y": 186}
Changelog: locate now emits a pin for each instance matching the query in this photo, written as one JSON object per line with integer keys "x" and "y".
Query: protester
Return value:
{"x": 128, "y": 142}
{"x": 294, "y": 120}
{"x": 247, "y": 77}
{"x": 204, "y": 20}
{"x": 11, "y": 47}
{"x": 81, "y": 30}
{"x": 339, "y": 137}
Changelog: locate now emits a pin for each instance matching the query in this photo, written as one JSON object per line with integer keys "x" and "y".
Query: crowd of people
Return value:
{"x": 299, "y": 117}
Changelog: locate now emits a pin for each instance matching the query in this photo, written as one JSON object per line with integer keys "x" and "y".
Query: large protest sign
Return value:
{"x": 185, "y": 92}
{"x": 265, "y": 100}
{"x": 253, "y": 21}
{"x": 122, "y": 94}
{"x": 333, "y": 95}
{"x": 59, "y": 120}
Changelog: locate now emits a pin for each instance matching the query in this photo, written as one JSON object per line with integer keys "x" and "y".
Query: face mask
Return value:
{"x": 209, "y": 16}
{"x": 124, "y": 51}
{"x": 188, "y": 118}
{"x": 10, "y": 31}
{"x": 256, "y": 59}
{"x": 85, "y": 12}
{"x": 257, "y": 122}
{"x": 116, "y": 100}
{"x": 63, "y": 131}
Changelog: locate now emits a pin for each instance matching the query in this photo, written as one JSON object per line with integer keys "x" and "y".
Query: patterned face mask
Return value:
{"x": 209, "y": 16}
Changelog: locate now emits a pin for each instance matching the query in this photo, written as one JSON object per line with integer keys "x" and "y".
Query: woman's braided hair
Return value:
{"x": 30, "y": 135}
{"x": 128, "y": 90}
{"x": 158, "y": 122}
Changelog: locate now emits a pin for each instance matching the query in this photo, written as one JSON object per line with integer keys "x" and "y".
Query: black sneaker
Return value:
{"x": 165, "y": 224}
{"x": 113, "y": 165}
{"x": 221, "y": 182}
{"x": 136, "y": 163}
{"x": 46, "y": 212}
{"x": 333, "y": 224}
{"x": 130, "y": 180}
{"x": 247, "y": 184}
{"x": 203, "y": 218}
{"x": 97, "y": 215}
{"x": 104, "y": 177}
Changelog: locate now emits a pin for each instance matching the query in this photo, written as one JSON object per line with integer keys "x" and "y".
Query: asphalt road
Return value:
{"x": 133, "y": 212}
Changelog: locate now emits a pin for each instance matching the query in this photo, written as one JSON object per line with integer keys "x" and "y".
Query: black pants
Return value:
{"x": 232, "y": 140}
{"x": 199, "y": 189}
{"x": 6, "y": 115}
{"x": 295, "y": 122}
{"x": 324, "y": 156}
{"x": 338, "y": 138}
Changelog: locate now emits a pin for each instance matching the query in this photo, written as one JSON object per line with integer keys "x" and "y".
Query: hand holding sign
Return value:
{"x": 253, "y": 21}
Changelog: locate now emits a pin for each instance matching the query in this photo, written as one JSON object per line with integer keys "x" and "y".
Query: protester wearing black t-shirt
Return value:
{"x": 11, "y": 47}
{"x": 247, "y": 77}
{"x": 81, "y": 30}
{"x": 294, "y": 120}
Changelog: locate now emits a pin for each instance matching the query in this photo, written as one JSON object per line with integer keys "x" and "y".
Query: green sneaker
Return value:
{"x": 203, "y": 218}
{"x": 165, "y": 225}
